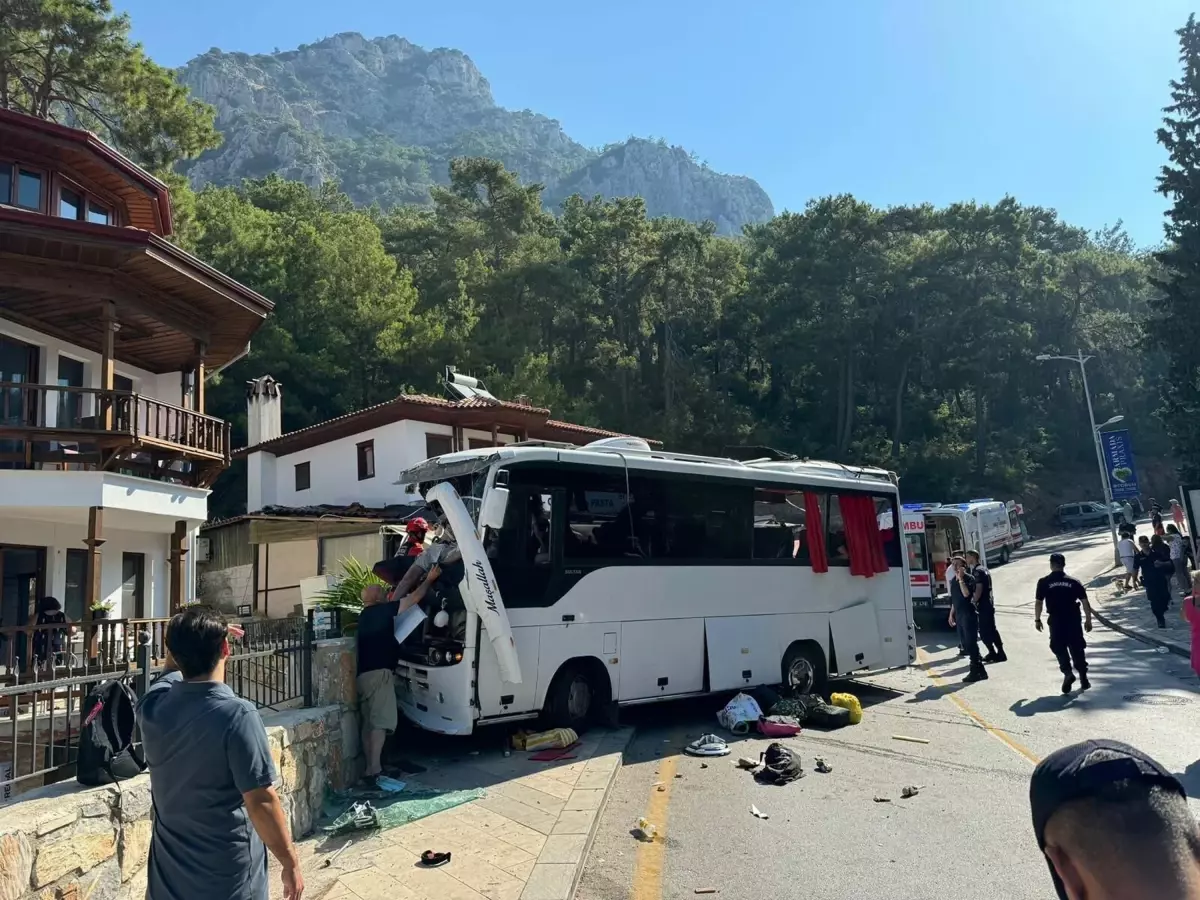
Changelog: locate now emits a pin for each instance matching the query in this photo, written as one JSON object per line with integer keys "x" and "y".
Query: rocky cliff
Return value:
{"x": 383, "y": 117}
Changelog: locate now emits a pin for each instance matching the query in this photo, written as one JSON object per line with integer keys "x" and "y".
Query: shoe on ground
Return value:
{"x": 962, "y": 653}
{"x": 1001, "y": 656}
{"x": 1084, "y": 684}
{"x": 979, "y": 674}
{"x": 1068, "y": 683}
{"x": 991, "y": 658}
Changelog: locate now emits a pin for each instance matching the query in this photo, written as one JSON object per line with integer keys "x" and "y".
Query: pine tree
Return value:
{"x": 1172, "y": 329}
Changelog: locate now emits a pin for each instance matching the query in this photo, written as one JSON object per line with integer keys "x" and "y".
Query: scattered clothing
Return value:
{"x": 779, "y": 766}
{"x": 707, "y": 745}
{"x": 740, "y": 714}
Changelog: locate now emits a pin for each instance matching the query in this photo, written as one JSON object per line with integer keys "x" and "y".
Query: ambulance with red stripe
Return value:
{"x": 920, "y": 575}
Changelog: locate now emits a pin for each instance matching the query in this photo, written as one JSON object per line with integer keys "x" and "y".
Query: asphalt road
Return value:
{"x": 967, "y": 833}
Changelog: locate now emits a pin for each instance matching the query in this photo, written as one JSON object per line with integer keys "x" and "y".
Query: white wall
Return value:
{"x": 58, "y": 538}
{"x": 334, "y": 468}
{"x": 164, "y": 387}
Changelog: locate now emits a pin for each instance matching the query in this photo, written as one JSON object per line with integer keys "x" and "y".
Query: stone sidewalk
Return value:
{"x": 527, "y": 839}
{"x": 1129, "y": 613}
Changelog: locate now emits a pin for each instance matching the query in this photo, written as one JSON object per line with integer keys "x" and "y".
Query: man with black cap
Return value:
{"x": 1061, "y": 594}
{"x": 1114, "y": 825}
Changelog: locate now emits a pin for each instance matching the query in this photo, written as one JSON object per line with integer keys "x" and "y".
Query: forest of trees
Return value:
{"x": 904, "y": 337}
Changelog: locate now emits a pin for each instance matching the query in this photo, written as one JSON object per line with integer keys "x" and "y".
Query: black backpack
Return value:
{"x": 106, "y": 751}
{"x": 779, "y": 765}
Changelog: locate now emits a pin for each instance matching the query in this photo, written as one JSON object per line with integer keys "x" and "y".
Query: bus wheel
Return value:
{"x": 576, "y": 695}
{"x": 804, "y": 669}
{"x": 1005, "y": 556}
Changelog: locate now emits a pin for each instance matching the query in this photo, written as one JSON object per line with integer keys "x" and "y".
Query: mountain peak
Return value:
{"x": 383, "y": 116}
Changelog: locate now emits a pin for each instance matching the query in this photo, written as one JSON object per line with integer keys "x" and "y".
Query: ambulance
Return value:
{"x": 920, "y": 576}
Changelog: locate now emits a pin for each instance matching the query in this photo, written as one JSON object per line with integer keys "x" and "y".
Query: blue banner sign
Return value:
{"x": 1118, "y": 458}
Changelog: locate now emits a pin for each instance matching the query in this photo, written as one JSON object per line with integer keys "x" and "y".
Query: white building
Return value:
{"x": 107, "y": 334}
{"x": 320, "y": 494}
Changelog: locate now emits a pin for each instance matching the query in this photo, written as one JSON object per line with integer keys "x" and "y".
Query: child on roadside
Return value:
{"x": 1192, "y": 615}
{"x": 1128, "y": 551}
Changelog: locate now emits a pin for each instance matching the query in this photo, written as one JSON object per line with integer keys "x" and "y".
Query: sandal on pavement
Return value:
{"x": 431, "y": 859}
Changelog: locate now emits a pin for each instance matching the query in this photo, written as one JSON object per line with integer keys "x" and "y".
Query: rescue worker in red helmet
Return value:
{"x": 416, "y": 529}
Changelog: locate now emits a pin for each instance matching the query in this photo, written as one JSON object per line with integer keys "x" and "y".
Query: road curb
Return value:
{"x": 612, "y": 779}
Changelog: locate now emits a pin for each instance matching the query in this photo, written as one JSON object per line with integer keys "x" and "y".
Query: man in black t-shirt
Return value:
{"x": 965, "y": 616}
{"x": 1062, "y": 595}
{"x": 378, "y": 654}
{"x": 989, "y": 634}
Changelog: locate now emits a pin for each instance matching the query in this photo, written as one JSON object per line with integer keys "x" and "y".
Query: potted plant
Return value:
{"x": 102, "y": 609}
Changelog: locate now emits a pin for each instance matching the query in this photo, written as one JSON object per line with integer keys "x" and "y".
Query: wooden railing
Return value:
{"x": 25, "y": 414}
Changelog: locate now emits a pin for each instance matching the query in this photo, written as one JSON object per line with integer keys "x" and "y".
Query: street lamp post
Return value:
{"x": 1081, "y": 360}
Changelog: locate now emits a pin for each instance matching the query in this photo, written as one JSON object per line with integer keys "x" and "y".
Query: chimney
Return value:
{"x": 264, "y": 410}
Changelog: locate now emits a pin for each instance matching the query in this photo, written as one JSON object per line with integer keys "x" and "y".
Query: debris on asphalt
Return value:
{"x": 704, "y": 765}
{"x": 849, "y": 702}
{"x": 911, "y": 740}
{"x": 678, "y": 774}
{"x": 909, "y": 790}
{"x": 391, "y": 785}
{"x": 745, "y": 762}
{"x": 328, "y": 861}
{"x": 707, "y": 745}
{"x": 658, "y": 784}
{"x": 823, "y": 767}
{"x": 879, "y": 799}
{"x": 758, "y": 813}
{"x": 661, "y": 788}
{"x": 704, "y": 891}
{"x": 645, "y": 830}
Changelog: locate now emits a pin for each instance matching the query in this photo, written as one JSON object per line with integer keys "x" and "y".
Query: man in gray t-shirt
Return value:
{"x": 211, "y": 776}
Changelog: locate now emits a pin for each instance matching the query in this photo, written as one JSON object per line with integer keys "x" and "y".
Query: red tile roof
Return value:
{"x": 476, "y": 413}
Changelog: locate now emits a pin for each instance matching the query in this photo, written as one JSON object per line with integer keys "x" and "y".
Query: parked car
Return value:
{"x": 1085, "y": 515}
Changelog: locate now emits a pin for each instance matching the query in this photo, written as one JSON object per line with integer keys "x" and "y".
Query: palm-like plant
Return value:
{"x": 346, "y": 593}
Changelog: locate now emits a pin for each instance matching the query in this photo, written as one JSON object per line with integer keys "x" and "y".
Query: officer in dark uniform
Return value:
{"x": 965, "y": 617}
{"x": 1061, "y": 594}
{"x": 989, "y": 634}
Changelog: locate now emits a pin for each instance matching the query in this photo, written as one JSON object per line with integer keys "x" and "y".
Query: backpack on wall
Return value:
{"x": 106, "y": 752}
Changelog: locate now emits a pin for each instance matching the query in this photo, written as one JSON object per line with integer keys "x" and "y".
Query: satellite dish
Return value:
{"x": 464, "y": 387}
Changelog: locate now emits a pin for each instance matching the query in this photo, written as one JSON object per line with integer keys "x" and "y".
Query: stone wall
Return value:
{"x": 226, "y": 589}
{"x": 65, "y": 842}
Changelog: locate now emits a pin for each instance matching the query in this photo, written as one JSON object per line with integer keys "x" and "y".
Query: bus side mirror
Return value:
{"x": 491, "y": 514}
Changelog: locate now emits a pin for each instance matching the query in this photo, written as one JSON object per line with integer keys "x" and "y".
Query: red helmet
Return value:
{"x": 416, "y": 526}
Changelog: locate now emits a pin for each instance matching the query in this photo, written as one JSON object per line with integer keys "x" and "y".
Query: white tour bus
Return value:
{"x": 618, "y": 574}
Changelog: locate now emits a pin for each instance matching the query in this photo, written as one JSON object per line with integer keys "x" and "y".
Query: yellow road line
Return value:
{"x": 648, "y": 867}
{"x": 979, "y": 720}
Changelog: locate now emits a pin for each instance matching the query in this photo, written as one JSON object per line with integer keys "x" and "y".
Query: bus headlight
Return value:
{"x": 435, "y": 656}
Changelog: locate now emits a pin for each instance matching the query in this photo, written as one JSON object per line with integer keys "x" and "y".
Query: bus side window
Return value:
{"x": 835, "y": 530}
{"x": 886, "y": 513}
{"x": 714, "y": 523}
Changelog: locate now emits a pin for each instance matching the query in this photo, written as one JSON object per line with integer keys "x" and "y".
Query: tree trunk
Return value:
{"x": 898, "y": 409}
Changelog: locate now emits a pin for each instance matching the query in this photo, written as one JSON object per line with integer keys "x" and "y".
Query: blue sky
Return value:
{"x": 1053, "y": 101}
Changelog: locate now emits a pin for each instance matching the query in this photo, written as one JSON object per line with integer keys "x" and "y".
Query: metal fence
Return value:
{"x": 46, "y": 672}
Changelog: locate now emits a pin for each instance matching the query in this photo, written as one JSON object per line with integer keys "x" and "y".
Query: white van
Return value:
{"x": 979, "y": 525}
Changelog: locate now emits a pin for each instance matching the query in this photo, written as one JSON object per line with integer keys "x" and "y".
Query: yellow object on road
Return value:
{"x": 850, "y": 702}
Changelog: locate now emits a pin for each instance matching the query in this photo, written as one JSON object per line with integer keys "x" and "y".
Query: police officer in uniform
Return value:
{"x": 1062, "y": 595}
{"x": 965, "y": 616}
{"x": 985, "y": 603}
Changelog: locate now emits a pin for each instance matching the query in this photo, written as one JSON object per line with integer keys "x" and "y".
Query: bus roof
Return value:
{"x": 817, "y": 473}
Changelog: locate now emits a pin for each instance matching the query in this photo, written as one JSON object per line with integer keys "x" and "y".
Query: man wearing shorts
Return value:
{"x": 378, "y": 654}
{"x": 1128, "y": 551}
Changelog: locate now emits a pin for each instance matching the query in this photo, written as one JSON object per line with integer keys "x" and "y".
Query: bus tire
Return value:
{"x": 1005, "y": 556}
{"x": 804, "y": 669}
{"x": 577, "y": 695}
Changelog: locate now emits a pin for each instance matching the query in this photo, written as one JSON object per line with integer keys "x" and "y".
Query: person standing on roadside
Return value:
{"x": 1156, "y": 517}
{"x": 1178, "y": 560}
{"x": 1154, "y": 563}
{"x": 211, "y": 776}
{"x": 965, "y": 617}
{"x": 1061, "y": 595}
{"x": 1127, "y": 550}
{"x": 1177, "y": 516}
{"x": 985, "y": 604}
{"x": 1127, "y": 512}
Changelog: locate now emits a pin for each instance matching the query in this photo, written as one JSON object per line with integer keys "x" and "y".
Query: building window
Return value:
{"x": 70, "y": 204}
{"x": 366, "y": 460}
{"x": 29, "y": 189}
{"x": 437, "y": 445}
{"x": 76, "y": 584}
{"x": 303, "y": 476}
{"x": 98, "y": 215}
{"x": 133, "y": 585}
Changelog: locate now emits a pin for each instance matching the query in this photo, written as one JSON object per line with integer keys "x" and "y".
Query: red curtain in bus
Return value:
{"x": 814, "y": 527}
{"x": 863, "y": 540}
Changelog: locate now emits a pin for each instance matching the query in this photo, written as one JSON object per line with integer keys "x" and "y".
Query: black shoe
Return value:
{"x": 962, "y": 653}
{"x": 1162, "y": 623}
{"x": 1001, "y": 656}
{"x": 979, "y": 674}
{"x": 992, "y": 658}
{"x": 1068, "y": 683}
{"x": 1084, "y": 684}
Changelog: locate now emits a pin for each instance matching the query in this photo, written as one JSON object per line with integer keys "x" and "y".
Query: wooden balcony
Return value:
{"x": 52, "y": 426}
